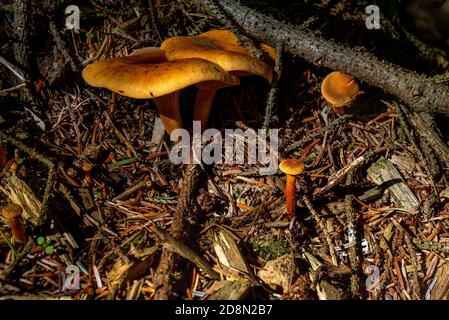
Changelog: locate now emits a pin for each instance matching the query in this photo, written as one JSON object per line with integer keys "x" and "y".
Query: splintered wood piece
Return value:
{"x": 279, "y": 272}
{"x": 229, "y": 290}
{"x": 229, "y": 254}
{"x": 385, "y": 174}
{"x": 184, "y": 251}
{"x": 19, "y": 192}
{"x": 440, "y": 290}
{"x": 158, "y": 134}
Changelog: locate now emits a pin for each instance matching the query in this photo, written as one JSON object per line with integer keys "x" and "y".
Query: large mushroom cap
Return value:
{"x": 227, "y": 40}
{"x": 12, "y": 211}
{"x": 339, "y": 88}
{"x": 237, "y": 60}
{"x": 147, "y": 74}
{"x": 291, "y": 167}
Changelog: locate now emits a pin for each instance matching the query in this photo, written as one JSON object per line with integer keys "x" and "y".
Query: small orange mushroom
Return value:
{"x": 13, "y": 213}
{"x": 292, "y": 168}
{"x": 339, "y": 89}
{"x": 87, "y": 168}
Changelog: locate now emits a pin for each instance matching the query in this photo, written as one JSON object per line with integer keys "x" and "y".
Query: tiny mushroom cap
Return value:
{"x": 86, "y": 167}
{"x": 238, "y": 62}
{"x": 291, "y": 167}
{"x": 339, "y": 88}
{"x": 146, "y": 74}
{"x": 12, "y": 211}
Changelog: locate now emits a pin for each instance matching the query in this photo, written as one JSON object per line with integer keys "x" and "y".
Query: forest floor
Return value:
{"x": 372, "y": 214}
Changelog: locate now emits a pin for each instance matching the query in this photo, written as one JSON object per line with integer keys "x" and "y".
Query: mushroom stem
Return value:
{"x": 290, "y": 198}
{"x": 169, "y": 111}
{"x": 203, "y": 104}
{"x": 339, "y": 110}
{"x": 18, "y": 230}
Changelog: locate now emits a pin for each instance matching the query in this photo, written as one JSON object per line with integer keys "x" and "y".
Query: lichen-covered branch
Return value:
{"x": 419, "y": 92}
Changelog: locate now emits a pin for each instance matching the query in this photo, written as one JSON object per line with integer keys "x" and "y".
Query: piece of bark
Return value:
{"x": 431, "y": 136}
{"x": 419, "y": 92}
{"x": 385, "y": 174}
{"x": 441, "y": 289}
{"x": 19, "y": 192}
{"x": 184, "y": 251}
{"x": 279, "y": 273}
{"x": 229, "y": 254}
{"x": 338, "y": 177}
{"x": 328, "y": 291}
{"x": 229, "y": 290}
{"x": 169, "y": 259}
{"x": 22, "y": 54}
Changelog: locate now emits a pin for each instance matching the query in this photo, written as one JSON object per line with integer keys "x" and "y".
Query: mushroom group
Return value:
{"x": 210, "y": 61}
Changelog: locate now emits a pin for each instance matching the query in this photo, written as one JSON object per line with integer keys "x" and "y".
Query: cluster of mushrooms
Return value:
{"x": 210, "y": 61}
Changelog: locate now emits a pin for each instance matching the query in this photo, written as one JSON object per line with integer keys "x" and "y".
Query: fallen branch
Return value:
{"x": 186, "y": 252}
{"x": 419, "y": 92}
{"x": 338, "y": 177}
{"x": 169, "y": 259}
{"x": 432, "y": 137}
{"x": 22, "y": 23}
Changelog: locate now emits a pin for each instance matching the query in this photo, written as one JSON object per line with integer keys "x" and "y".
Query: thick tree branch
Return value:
{"x": 419, "y": 92}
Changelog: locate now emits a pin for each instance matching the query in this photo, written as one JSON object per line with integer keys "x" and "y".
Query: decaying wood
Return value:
{"x": 229, "y": 290}
{"x": 18, "y": 192}
{"x": 354, "y": 244}
{"x": 22, "y": 19}
{"x": 430, "y": 245}
{"x": 51, "y": 178}
{"x": 339, "y": 176}
{"x": 184, "y": 251}
{"x": 178, "y": 231}
{"x": 440, "y": 290}
{"x": 127, "y": 270}
{"x": 229, "y": 254}
{"x": 384, "y": 173}
{"x": 432, "y": 138}
{"x": 419, "y": 92}
{"x": 319, "y": 221}
{"x": 279, "y": 273}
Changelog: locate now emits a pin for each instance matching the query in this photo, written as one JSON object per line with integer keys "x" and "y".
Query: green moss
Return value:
{"x": 270, "y": 248}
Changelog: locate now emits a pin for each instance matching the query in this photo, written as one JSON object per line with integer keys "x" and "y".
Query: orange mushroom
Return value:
{"x": 220, "y": 47}
{"x": 339, "y": 89}
{"x": 292, "y": 168}
{"x": 13, "y": 213}
{"x": 146, "y": 74}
